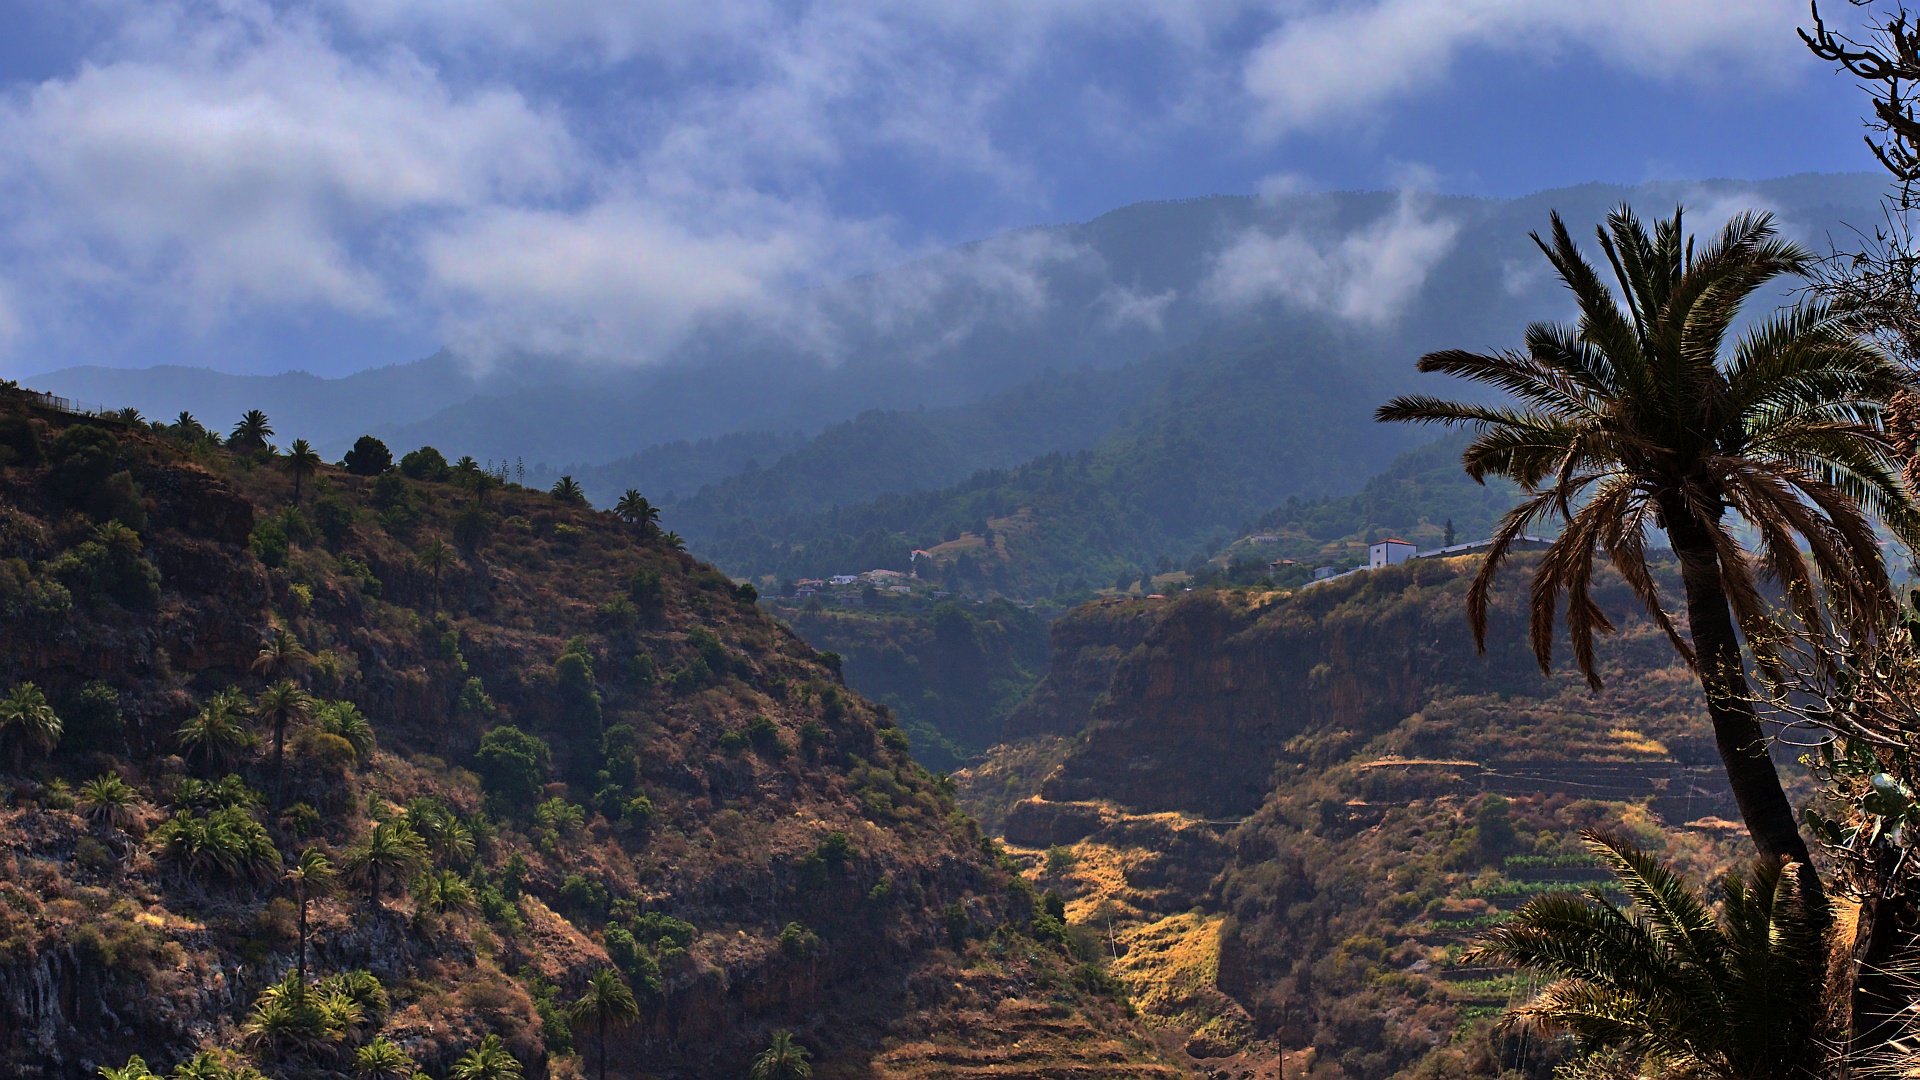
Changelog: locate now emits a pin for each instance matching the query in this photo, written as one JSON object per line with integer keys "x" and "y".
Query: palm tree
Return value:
{"x": 251, "y": 432}
{"x": 784, "y": 1060}
{"x": 216, "y": 735}
{"x": 567, "y": 490}
{"x": 606, "y": 1004}
{"x": 109, "y": 802}
{"x": 29, "y": 723}
{"x": 279, "y": 705}
{"x": 1637, "y": 418}
{"x": 135, "y": 1069}
{"x": 302, "y": 461}
{"x": 1741, "y": 998}
{"x": 471, "y": 527}
{"x": 281, "y": 654}
{"x": 675, "y": 541}
{"x": 488, "y": 1061}
{"x": 344, "y": 719}
{"x": 444, "y": 892}
{"x": 312, "y": 875}
{"x": 634, "y": 509}
{"x": 392, "y": 852}
{"x": 130, "y": 415}
{"x": 382, "y": 1060}
{"x": 436, "y": 556}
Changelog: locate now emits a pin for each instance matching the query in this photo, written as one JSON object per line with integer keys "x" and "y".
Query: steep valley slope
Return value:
{"x": 1286, "y": 814}
{"x": 533, "y": 741}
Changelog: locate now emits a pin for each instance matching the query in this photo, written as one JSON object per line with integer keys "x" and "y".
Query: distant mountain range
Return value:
{"x": 1124, "y": 392}
{"x": 1406, "y": 273}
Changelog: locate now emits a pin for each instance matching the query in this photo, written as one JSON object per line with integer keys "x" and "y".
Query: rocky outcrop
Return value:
{"x": 1088, "y": 644}
{"x": 1223, "y": 686}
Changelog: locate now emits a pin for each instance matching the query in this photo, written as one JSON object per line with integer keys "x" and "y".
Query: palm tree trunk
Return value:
{"x": 603, "y": 1048}
{"x": 1736, "y": 730}
{"x": 303, "y": 935}
{"x": 279, "y": 757}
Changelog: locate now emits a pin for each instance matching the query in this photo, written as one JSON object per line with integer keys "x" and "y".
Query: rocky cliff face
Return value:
{"x": 1315, "y": 799}
{"x": 1208, "y": 693}
{"x": 1088, "y": 643}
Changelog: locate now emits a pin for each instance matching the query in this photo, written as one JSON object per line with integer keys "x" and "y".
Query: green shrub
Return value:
{"x": 109, "y": 567}
{"x": 765, "y": 736}
{"x": 269, "y": 543}
{"x": 647, "y": 592}
{"x": 797, "y": 941}
{"x": 19, "y": 441}
{"x": 24, "y": 596}
{"x": 89, "y": 475}
{"x": 92, "y": 718}
{"x": 512, "y": 766}
{"x": 583, "y": 895}
{"x": 425, "y": 463}
{"x": 332, "y": 517}
{"x": 369, "y": 457}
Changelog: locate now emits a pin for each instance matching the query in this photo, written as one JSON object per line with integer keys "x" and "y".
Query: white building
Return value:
{"x": 845, "y": 579}
{"x": 1389, "y": 552}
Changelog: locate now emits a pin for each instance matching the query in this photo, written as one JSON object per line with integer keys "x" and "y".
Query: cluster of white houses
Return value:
{"x": 1393, "y": 552}
{"x": 889, "y": 580}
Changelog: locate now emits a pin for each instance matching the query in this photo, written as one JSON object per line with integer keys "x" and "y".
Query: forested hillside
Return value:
{"x": 316, "y": 771}
{"x": 1249, "y": 419}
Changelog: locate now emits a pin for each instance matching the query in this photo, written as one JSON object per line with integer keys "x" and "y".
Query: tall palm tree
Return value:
{"x": 567, "y": 490}
{"x": 311, "y": 876}
{"x": 488, "y": 1061}
{"x": 1640, "y": 417}
{"x": 302, "y": 461}
{"x": 29, "y": 723}
{"x": 281, "y": 705}
{"x": 252, "y": 432}
{"x": 634, "y": 509}
{"x": 281, "y": 655}
{"x": 392, "y": 852}
{"x": 606, "y": 1004}
{"x": 436, "y": 556}
{"x": 217, "y": 735}
{"x": 1743, "y": 997}
{"x": 784, "y": 1060}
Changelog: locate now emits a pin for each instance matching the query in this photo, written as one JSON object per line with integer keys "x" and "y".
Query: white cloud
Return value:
{"x": 1368, "y": 276}
{"x": 257, "y": 167}
{"x": 600, "y": 177}
{"x": 1001, "y": 281}
{"x": 1126, "y": 306}
{"x": 1346, "y": 60}
{"x": 622, "y": 279}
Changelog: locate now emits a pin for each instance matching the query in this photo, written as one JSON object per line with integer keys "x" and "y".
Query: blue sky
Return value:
{"x": 336, "y": 184}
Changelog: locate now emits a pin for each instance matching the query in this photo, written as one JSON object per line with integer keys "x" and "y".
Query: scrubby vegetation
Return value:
{"x": 367, "y": 770}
